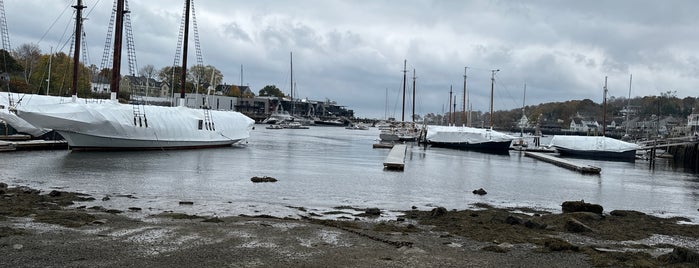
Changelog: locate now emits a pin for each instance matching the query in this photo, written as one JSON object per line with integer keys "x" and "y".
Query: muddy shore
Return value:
{"x": 62, "y": 229}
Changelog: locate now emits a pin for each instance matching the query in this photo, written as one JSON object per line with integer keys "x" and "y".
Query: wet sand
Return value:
{"x": 40, "y": 229}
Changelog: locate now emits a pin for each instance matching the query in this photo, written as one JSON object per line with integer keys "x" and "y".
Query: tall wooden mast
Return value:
{"x": 76, "y": 54}
{"x": 183, "y": 79}
{"x": 116, "y": 62}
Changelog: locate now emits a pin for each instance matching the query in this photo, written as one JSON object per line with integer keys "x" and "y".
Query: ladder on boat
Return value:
{"x": 208, "y": 121}
{"x": 139, "y": 113}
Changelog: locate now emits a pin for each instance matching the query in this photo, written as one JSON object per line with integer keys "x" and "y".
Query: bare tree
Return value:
{"x": 148, "y": 72}
{"x": 27, "y": 55}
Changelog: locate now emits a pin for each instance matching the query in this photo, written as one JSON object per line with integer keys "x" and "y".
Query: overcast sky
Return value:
{"x": 353, "y": 51}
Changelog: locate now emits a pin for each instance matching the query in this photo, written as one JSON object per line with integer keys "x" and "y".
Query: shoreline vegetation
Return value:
{"x": 39, "y": 229}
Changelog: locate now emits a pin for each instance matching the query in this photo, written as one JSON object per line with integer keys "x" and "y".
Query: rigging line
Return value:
{"x": 54, "y": 23}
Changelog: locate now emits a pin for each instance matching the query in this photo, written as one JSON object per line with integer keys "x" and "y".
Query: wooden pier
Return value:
{"x": 396, "y": 157}
{"x": 33, "y": 145}
{"x": 585, "y": 169}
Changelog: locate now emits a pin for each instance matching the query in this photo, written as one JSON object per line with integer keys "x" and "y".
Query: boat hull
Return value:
{"x": 83, "y": 142}
{"x": 501, "y": 147}
{"x": 628, "y": 156}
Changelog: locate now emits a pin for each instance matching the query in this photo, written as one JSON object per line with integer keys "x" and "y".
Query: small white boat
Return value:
{"x": 594, "y": 147}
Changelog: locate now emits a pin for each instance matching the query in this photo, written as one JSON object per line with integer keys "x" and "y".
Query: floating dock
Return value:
{"x": 585, "y": 169}
{"x": 382, "y": 145}
{"x": 33, "y": 145}
{"x": 396, "y": 157}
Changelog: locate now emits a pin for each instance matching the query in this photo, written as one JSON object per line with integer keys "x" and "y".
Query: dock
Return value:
{"x": 585, "y": 169}
{"x": 382, "y": 145}
{"x": 396, "y": 157}
{"x": 33, "y": 145}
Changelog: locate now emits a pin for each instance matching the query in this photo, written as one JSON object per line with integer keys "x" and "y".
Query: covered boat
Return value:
{"x": 594, "y": 147}
{"x": 468, "y": 138}
{"x": 112, "y": 125}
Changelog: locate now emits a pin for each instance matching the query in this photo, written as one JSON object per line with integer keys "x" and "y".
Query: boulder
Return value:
{"x": 437, "y": 212}
{"x": 681, "y": 255}
{"x": 581, "y": 206}
{"x": 373, "y": 212}
{"x": 263, "y": 179}
{"x": 512, "y": 220}
{"x": 575, "y": 226}
{"x": 54, "y": 193}
{"x": 480, "y": 191}
{"x": 3, "y": 185}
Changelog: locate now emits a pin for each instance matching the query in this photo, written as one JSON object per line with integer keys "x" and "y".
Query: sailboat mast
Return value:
{"x": 463, "y": 106}
{"x": 291, "y": 83}
{"x": 604, "y": 109}
{"x": 414, "y": 77}
{"x": 628, "y": 106}
{"x": 76, "y": 54}
{"x": 183, "y": 79}
{"x": 405, "y": 71}
{"x": 450, "y": 111}
{"x": 48, "y": 80}
{"x": 116, "y": 62}
{"x": 492, "y": 88}
{"x": 524, "y": 99}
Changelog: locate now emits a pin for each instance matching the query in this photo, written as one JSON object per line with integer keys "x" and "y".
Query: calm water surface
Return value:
{"x": 325, "y": 167}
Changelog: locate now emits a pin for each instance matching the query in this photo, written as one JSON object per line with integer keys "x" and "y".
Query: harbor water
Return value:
{"x": 323, "y": 168}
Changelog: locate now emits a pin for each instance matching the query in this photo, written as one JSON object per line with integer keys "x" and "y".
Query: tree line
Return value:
{"x": 31, "y": 71}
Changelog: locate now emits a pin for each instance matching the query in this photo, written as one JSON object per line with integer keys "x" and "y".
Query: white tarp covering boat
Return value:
{"x": 26, "y": 100}
{"x": 468, "y": 138}
{"x": 111, "y": 125}
{"x": 594, "y": 147}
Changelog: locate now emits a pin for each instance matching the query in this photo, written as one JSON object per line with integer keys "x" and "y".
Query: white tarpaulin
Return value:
{"x": 114, "y": 125}
{"x": 456, "y": 134}
{"x": 592, "y": 143}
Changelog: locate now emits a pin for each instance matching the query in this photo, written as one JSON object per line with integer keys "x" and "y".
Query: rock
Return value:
{"x": 113, "y": 211}
{"x": 372, "y": 212}
{"x": 414, "y": 207}
{"x": 512, "y": 220}
{"x": 54, "y": 193}
{"x": 624, "y": 213}
{"x": 135, "y": 209}
{"x": 535, "y": 225}
{"x": 213, "y": 220}
{"x": 436, "y": 212}
{"x": 186, "y": 203}
{"x": 581, "y": 206}
{"x": 99, "y": 222}
{"x": 263, "y": 179}
{"x": 480, "y": 191}
{"x": 586, "y": 216}
{"x": 106, "y": 198}
{"x": 575, "y": 226}
{"x": 681, "y": 255}
{"x": 3, "y": 185}
{"x": 17, "y": 246}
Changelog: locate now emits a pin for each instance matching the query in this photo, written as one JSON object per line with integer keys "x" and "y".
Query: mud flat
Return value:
{"x": 55, "y": 228}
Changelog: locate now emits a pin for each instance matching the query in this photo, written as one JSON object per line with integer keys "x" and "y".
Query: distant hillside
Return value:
{"x": 563, "y": 112}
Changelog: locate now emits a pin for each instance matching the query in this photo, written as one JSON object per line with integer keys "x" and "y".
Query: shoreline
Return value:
{"x": 41, "y": 229}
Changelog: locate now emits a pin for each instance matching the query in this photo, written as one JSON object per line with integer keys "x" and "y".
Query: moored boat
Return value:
{"x": 468, "y": 138}
{"x": 115, "y": 126}
{"x": 594, "y": 147}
